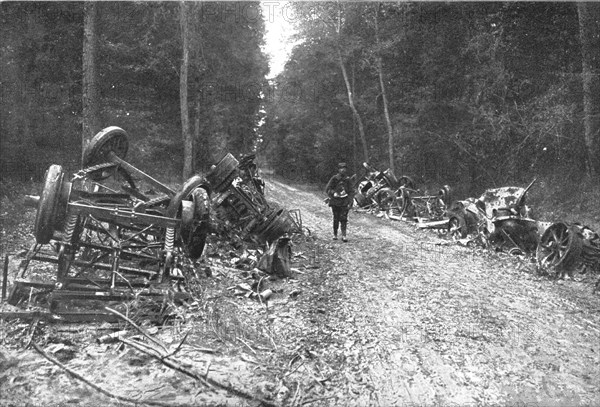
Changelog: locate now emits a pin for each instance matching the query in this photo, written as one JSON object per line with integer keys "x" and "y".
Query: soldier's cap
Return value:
{"x": 342, "y": 165}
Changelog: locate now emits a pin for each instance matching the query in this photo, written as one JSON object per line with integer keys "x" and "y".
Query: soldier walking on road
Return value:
{"x": 340, "y": 192}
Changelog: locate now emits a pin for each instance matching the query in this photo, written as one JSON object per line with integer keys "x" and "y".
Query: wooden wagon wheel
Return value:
{"x": 109, "y": 140}
{"x": 559, "y": 248}
{"x": 457, "y": 227}
{"x": 221, "y": 176}
{"x": 385, "y": 198}
{"x": 187, "y": 188}
{"x": 52, "y": 204}
{"x": 402, "y": 201}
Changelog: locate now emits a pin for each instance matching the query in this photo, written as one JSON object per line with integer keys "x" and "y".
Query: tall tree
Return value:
{"x": 589, "y": 27}
{"x": 386, "y": 113}
{"x": 91, "y": 108}
{"x": 349, "y": 89}
{"x": 188, "y": 141}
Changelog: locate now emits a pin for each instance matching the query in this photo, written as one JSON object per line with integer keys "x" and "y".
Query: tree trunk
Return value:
{"x": 361, "y": 129}
{"x": 198, "y": 142}
{"x": 188, "y": 143}
{"x": 589, "y": 31}
{"x": 90, "y": 102}
{"x": 386, "y": 112}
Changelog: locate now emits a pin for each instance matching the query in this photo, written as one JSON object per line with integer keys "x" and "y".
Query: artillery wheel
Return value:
{"x": 184, "y": 192}
{"x": 49, "y": 207}
{"x": 194, "y": 236}
{"x": 221, "y": 176}
{"x": 559, "y": 248}
{"x": 457, "y": 227}
{"x": 402, "y": 201}
{"x": 111, "y": 139}
{"x": 385, "y": 198}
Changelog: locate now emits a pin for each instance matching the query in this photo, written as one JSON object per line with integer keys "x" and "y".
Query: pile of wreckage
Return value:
{"x": 113, "y": 233}
{"x": 499, "y": 218}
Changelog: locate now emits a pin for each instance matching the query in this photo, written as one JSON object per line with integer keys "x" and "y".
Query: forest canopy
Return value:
{"x": 138, "y": 66}
{"x": 474, "y": 93}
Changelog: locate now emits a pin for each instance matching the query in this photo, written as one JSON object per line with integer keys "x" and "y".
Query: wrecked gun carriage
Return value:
{"x": 239, "y": 200}
{"x": 374, "y": 187}
{"x": 412, "y": 203}
{"x": 97, "y": 239}
{"x": 499, "y": 216}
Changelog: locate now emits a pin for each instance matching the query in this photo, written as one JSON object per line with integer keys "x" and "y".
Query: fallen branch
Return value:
{"x": 163, "y": 359}
{"x": 204, "y": 380}
{"x": 139, "y": 328}
{"x": 96, "y": 387}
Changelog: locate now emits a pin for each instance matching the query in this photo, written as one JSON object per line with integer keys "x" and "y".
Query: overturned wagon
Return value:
{"x": 103, "y": 236}
{"x": 239, "y": 200}
{"x": 113, "y": 232}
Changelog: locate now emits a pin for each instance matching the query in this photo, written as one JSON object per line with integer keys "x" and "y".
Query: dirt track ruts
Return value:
{"x": 409, "y": 319}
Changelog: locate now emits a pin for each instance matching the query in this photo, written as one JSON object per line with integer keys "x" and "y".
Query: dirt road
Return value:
{"x": 394, "y": 317}
{"x": 409, "y": 319}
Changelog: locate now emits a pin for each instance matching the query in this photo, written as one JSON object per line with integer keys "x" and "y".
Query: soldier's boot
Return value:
{"x": 344, "y": 224}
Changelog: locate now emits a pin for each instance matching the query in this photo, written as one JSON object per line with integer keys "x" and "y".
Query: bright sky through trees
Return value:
{"x": 278, "y": 42}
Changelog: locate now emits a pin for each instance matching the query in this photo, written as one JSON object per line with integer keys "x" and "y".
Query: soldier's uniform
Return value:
{"x": 340, "y": 192}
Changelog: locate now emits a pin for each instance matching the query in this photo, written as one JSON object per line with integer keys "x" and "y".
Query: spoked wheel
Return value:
{"x": 52, "y": 205}
{"x": 110, "y": 140}
{"x": 402, "y": 201}
{"x": 559, "y": 248}
{"x": 385, "y": 198}
{"x": 184, "y": 192}
{"x": 457, "y": 227}
{"x": 223, "y": 174}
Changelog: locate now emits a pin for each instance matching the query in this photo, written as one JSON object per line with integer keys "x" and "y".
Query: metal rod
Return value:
{"x": 101, "y": 266}
{"x": 114, "y": 158}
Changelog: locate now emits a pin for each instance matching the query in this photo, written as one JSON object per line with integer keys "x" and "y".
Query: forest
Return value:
{"x": 470, "y": 94}
{"x": 131, "y": 80}
{"x": 476, "y": 94}
{"x": 201, "y": 269}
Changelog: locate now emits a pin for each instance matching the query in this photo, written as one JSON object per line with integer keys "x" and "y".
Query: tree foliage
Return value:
{"x": 138, "y": 70}
{"x": 478, "y": 94}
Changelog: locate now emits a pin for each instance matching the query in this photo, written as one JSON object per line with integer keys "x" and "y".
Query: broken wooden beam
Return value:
{"x": 434, "y": 224}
